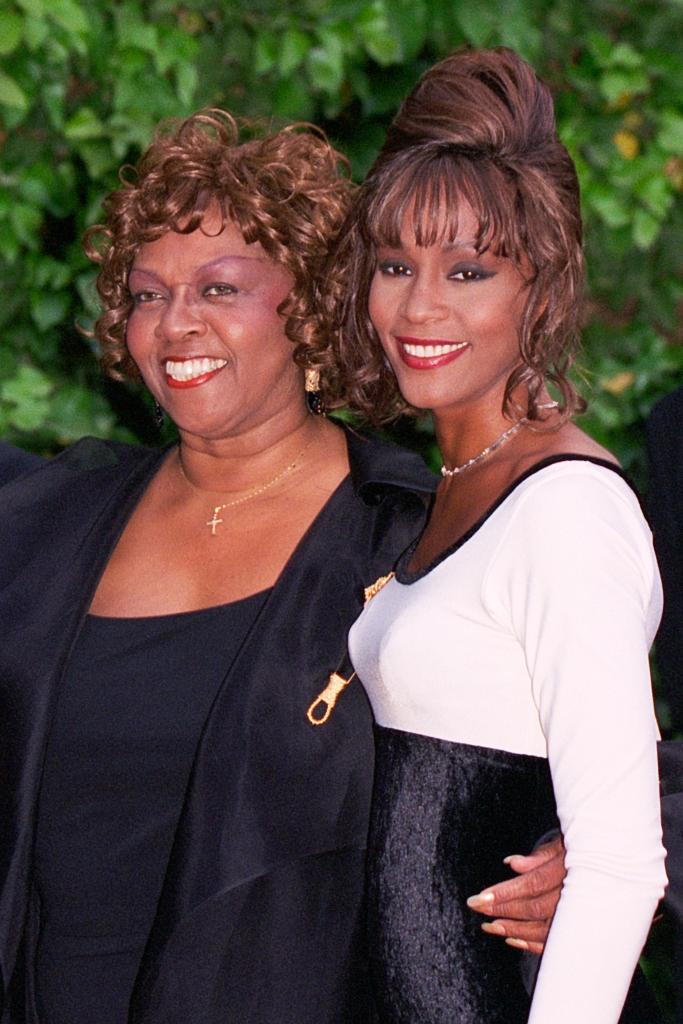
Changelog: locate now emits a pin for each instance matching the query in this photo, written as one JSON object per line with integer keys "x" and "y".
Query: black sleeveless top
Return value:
{"x": 134, "y": 699}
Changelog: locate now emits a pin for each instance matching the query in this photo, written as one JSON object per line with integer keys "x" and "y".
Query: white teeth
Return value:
{"x": 188, "y": 369}
{"x": 430, "y": 351}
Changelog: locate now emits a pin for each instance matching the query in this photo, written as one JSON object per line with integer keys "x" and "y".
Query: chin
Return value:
{"x": 425, "y": 398}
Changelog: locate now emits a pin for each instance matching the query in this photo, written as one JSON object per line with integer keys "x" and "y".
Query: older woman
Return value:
{"x": 507, "y": 660}
{"x": 167, "y": 617}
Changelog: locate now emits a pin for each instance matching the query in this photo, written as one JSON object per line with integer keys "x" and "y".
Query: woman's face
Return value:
{"x": 448, "y": 319}
{"x": 205, "y": 333}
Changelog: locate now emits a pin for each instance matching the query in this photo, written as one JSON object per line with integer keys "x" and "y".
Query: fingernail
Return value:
{"x": 517, "y": 943}
{"x": 506, "y": 860}
{"x": 492, "y": 928}
{"x": 482, "y": 899}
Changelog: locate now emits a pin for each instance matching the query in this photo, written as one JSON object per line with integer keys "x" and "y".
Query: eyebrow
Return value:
{"x": 219, "y": 261}
{"x": 447, "y": 247}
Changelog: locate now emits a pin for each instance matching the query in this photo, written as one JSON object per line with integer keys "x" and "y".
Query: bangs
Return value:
{"x": 425, "y": 195}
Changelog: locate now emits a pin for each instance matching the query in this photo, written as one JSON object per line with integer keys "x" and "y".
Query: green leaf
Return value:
{"x": 26, "y": 220}
{"x": 520, "y": 29}
{"x": 97, "y": 157}
{"x": 36, "y": 184}
{"x": 27, "y": 396}
{"x": 70, "y": 15}
{"x": 670, "y": 134}
{"x": 410, "y": 19}
{"x": 51, "y": 272}
{"x": 378, "y": 35}
{"x": 132, "y": 31}
{"x": 294, "y": 46}
{"x": 265, "y": 52}
{"x": 655, "y": 193}
{"x": 48, "y": 309}
{"x": 35, "y": 8}
{"x": 11, "y": 94}
{"x": 186, "y": 84}
{"x": 9, "y": 243}
{"x": 616, "y": 86}
{"x": 609, "y": 206}
{"x": 85, "y": 124}
{"x": 624, "y": 55}
{"x": 10, "y": 32}
{"x": 326, "y": 69}
{"x": 477, "y": 22}
{"x": 36, "y": 30}
{"x": 76, "y": 410}
{"x": 291, "y": 100}
{"x": 645, "y": 228}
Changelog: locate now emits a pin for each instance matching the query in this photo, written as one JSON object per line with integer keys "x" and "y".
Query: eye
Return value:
{"x": 394, "y": 268}
{"x": 145, "y": 296}
{"x": 469, "y": 272}
{"x": 219, "y": 290}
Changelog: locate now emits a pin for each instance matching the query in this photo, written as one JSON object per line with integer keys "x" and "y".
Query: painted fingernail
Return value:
{"x": 517, "y": 943}
{"x": 482, "y": 899}
{"x": 492, "y": 928}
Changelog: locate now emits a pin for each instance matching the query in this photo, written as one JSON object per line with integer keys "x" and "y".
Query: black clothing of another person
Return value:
{"x": 136, "y": 693}
{"x": 664, "y": 432}
{"x": 14, "y": 462}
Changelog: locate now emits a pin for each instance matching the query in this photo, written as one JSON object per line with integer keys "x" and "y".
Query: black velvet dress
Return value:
{"x": 135, "y": 697}
{"x": 425, "y": 865}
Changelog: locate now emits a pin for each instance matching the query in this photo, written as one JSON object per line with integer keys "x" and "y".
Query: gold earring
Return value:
{"x": 314, "y": 399}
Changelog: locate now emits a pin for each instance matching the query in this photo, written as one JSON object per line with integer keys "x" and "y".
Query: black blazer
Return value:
{"x": 14, "y": 462}
{"x": 260, "y": 917}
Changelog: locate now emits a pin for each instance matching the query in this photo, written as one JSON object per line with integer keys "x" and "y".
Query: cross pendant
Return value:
{"x": 213, "y": 523}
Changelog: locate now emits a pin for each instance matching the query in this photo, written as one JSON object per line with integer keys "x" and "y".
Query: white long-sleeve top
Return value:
{"x": 532, "y": 636}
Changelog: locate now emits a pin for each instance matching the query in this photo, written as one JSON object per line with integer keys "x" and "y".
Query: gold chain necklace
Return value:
{"x": 489, "y": 450}
{"x": 215, "y": 520}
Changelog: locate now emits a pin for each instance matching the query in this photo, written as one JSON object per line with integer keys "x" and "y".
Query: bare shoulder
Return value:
{"x": 568, "y": 439}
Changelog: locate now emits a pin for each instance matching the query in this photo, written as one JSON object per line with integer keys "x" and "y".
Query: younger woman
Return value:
{"x": 507, "y": 661}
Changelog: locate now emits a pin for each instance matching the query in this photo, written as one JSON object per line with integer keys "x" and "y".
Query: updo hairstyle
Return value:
{"x": 289, "y": 191}
{"x": 479, "y": 126}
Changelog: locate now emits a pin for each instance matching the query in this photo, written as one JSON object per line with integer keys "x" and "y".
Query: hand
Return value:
{"x": 523, "y": 907}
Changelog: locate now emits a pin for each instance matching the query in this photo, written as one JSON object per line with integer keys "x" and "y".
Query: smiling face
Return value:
{"x": 448, "y": 318}
{"x": 205, "y": 333}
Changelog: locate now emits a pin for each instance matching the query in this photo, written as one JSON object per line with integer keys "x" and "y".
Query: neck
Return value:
{"x": 461, "y": 437}
{"x": 246, "y": 460}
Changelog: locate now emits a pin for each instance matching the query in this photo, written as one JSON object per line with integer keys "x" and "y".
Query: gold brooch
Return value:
{"x": 375, "y": 587}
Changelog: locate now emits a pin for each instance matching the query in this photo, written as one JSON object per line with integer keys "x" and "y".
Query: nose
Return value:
{"x": 422, "y": 301}
{"x": 181, "y": 318}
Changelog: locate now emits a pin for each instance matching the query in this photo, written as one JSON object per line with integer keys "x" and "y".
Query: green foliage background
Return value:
{"x": 83, "y": 83}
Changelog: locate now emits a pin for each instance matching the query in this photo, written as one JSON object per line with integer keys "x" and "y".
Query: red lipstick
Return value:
{"x": 194, "y": 382}
{"x": 440, "y": 352}
{"x": 207, "y": 366}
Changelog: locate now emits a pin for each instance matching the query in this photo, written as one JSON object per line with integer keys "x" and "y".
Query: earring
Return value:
{"x": 158, "y": 415}
{"x": 314, "y": 399}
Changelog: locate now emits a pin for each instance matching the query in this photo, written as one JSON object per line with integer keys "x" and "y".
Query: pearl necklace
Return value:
{"x": 253, "y": 493}
{"x": 494, "y": 446}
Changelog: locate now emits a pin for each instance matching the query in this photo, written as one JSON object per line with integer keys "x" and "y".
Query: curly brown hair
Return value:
{"x": 480, "y": 127}
{"x": 288, "y": 190}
